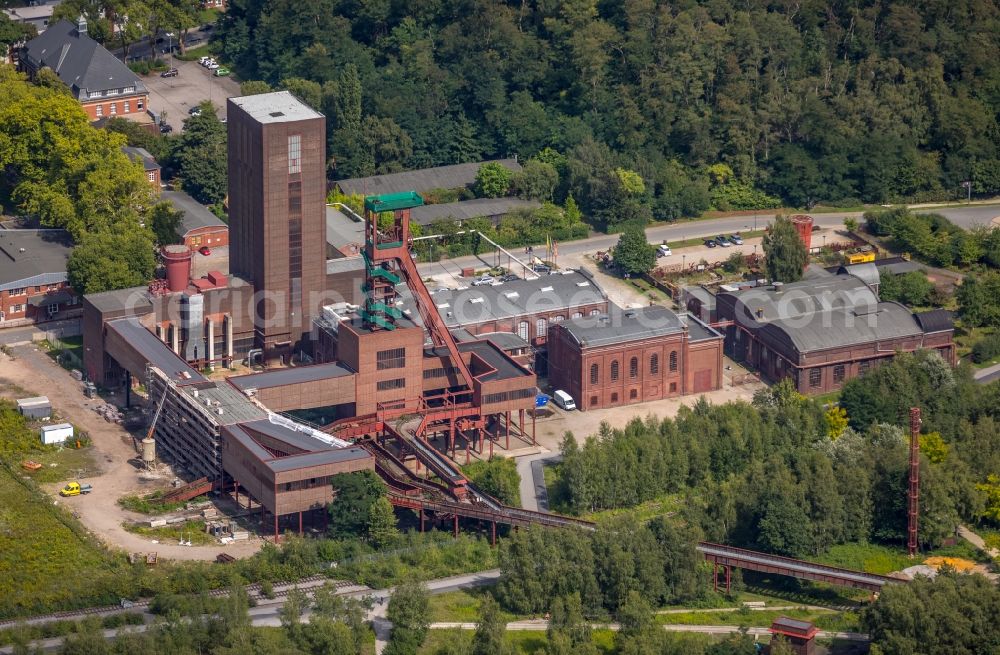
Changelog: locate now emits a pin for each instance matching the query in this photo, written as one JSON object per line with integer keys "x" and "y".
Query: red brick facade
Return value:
{"x": 213, "y": 237}
{"x": 634, "y": 371}
{"x": 130, "y": 106}
{"x": 27, "y": 305}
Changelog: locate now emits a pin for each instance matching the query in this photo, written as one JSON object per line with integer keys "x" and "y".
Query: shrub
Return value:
{"x": 986, "y": 348}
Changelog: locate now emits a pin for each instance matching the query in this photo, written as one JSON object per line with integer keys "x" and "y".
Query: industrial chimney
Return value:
{"x": 177, "y": 260}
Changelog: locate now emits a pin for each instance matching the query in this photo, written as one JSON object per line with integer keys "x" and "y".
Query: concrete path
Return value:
{"x": 534, "y": 495}
{"x": 987, "y": 375}
{"x": 976, "y": 540}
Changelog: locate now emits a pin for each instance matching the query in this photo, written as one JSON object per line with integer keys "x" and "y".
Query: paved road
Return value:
{"x": 29, "y": 333}
{"x": 267, "y": 612}
{"x": 987, "y": 375}
{"x": 542, "y": 626}
{"x": 965, "y": 217}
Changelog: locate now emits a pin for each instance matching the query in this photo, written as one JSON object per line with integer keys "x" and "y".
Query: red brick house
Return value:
{"x": 629, "y": 356}
{"x": 149, "y": 165}
{"x": 199, "y": 226}
{"x": 103, "y": 85}
{"x": 33, "y": 286}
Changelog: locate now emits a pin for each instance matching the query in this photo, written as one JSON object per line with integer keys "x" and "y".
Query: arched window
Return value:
{"x": 673, "y": 360}
{"x": 577, "y": 315}
{"x": 541, "y": 327}
{"x": 595, "y": 312}
{"x": 522, "y": 330}
{"x": 614, "y": 371}
{"x": 654, "y": 364}
{"x": 558, "y": 319}
{"x": 633, "y": 368}
{"x": 594, "y": 371}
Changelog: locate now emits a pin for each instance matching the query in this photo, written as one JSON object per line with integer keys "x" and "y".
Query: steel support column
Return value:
{"x": 493, "y": 533}
{"x": 506, "y": 429}
{"x": 455, "y": 529}
{"x": 300, "y": 524}
{"x": 421, "y": 519}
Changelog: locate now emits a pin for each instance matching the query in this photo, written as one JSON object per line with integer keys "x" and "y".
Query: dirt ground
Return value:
{"x": 99, "y": 511}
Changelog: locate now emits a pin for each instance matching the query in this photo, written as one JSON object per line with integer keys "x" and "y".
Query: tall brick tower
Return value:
{"x": 277, "y": 208}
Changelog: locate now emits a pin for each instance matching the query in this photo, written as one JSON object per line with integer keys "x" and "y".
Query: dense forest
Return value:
{"x": 786, "y": 476}
{"x": 712, "y": 102}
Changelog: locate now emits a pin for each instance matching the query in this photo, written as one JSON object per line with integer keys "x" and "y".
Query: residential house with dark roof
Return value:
{"x": 628, "y": 356}
{"x": 199, "y": 226}
{"x": 149, "y": 165}
{"x": 822, "y": 332}
{"x": 33, "y": 285}
{"x": 456, "y": 176}
{"x": 103, "y": 85}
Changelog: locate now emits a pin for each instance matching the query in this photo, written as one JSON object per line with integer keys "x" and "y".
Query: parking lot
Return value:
{"x": 193, "y": 84}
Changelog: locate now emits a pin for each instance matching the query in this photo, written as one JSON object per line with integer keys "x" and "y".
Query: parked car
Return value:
{"x": 563, "y": 400}
{"x": 722, "y": 241}
{"x": 736, "y": 238}
{"x": 663, "y": 251}
{"x": 173, "y": 72}
{"x": 541, "y": 268}
{"x": 221, "y": 72}
{"x": 710, "y": 243}
{"x": 166, "y": 129}
{"x": 212, "y": 66}
{"x": 75, "y": 489}
{"x": 204, "y": 60}
{"x": 205, "y": 250}
{"x": 195, "y": 111}
{"x": 509, "y": 277}
{"x": 483, "y": 281}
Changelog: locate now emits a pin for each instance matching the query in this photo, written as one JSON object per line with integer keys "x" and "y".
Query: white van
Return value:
{"x": 564, "y": 400}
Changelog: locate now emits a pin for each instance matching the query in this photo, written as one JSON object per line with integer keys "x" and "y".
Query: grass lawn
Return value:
{"x": 188, "y": 530}
{"x": 525, "y": 642}
{"x": 880, "y": 559}
{"x": 688, "y": 243}
{"x": 45, "y": 555}
{"x": 646, "y": 511}
{"x": 63, "y": 464}
{"x": 462, "y": 606}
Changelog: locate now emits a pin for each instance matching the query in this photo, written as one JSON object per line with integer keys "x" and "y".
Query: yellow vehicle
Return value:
{"x": 75, "y": 489}
{"x": 860, "y": 257}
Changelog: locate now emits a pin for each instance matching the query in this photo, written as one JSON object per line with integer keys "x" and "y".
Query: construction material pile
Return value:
{"x": 110, "y": 413}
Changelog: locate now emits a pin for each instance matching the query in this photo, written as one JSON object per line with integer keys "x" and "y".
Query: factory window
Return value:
{"x": 395, "y": 358}
{"x": 295, "y": 153}
{"x": 864, "y": 367}
{"x": 614, "y": 398}
{"x": 385, "y": 385}
{"x": 593, "y": 401}
{"x": 440, "y": 372}
{"x": 633, "y": 394}
{"x": 654, "y": 364}
{"x": 595, "y": 312}
{"x": 815, "y": 377}
{"x": 673, "y": 360}
{"x": 288, "y": 486}
{"x": 838, "y": 373}
{"x": 522, "y": 330}
{"x": 558, "y": 319}
{"x": 633, "y": 368}
{"x": 594, "y": 373}
{"x": 673, "y": 387}
{"x": 505, "y": 396}
{"x": 541, "y": 327}
{"x": 577, "y": 315}
{"x": 614, "y": 371}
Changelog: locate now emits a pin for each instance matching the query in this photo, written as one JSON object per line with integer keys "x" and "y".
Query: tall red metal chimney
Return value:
{"x": 914, "y": 493}
{"x": 804, "y": 226}
{"x": 177, "y": 260}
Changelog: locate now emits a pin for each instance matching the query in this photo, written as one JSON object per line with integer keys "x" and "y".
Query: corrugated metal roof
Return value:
{"x": 936, "y": 320}
{"x": 835, "y": 328}
{"x": 455, "y": 176}
{"x": 318, "y": 458}
{"x": 621, "y": 325}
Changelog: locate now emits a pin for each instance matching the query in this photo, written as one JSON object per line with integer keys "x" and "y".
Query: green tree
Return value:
{"x": 785, "y": 254}
{"x": 933, "y": 446}
{"x": 633, "y": 253}
{"x": 12, "y": 33}
{"x": 492, "y": 180}
{"x": 499, "y": 478}
{"x": 536, "y": 181}
{"x": 491, "y": 630}
{"x": 382, "y": 523}
{"x": 166, "y": 222}
{"x": 254, "y": 87}
{"x": 409, "y": 612}
{"x": 355, "y": 493}
{"x": 104, "y": 261}
{"x": 979, "y": 299}
{"x": 200, "y": 157}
